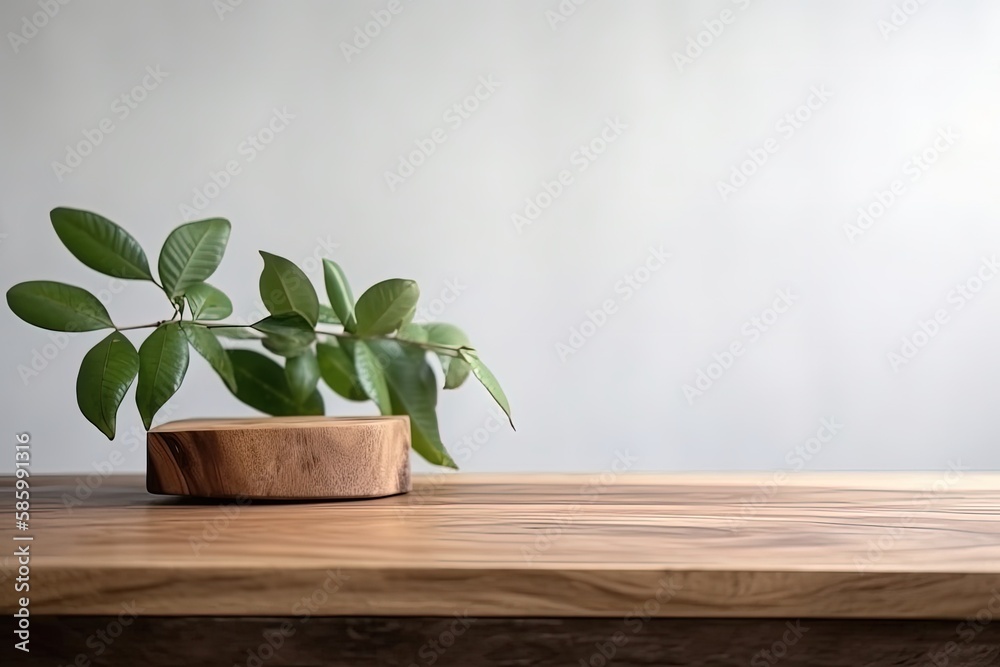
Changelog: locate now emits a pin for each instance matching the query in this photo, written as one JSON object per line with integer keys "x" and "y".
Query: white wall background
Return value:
{"x": 319, "y": 190}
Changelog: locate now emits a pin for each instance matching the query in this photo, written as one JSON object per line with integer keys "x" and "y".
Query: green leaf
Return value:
{"x": 439, "y": 333}
{"x": 234, "y": 333}
{"x": 327, "y": 316}
{"x": 163, "y": 362}
{"x": 285, "y": 289}
{"x": 287, "y": 335}
{"x": 456, "y": 370}
{"x": 105, "y": 375}
{"x": 207, "y": 302}
{"x": 488, "y": 380}
{"x": 208, "y": 346}
{"x": 337, "y": 369}
{"x": 416, "y": 333}
{"x": 339, "y": 292}
{"x": 58, "y": 307}
{"x": 192, "y": 253}
{"x": 288, "y": 325}
{"x": 413, "y": 392}
{"x": 302, "y": 373}
{"x": 384, "y": 306}
{"x": 408, "y": 317}
{"x": 371, "y": 377}
{"x": 284, "y": 347}
{"x": 100, "y": 244}
{"x": 261, "y": 384}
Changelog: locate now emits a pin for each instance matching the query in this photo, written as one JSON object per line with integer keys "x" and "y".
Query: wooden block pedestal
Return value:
{"x": 280, "y": 458}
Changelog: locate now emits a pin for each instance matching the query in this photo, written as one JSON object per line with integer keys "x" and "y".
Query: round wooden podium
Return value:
{"x": 280, "y": 458}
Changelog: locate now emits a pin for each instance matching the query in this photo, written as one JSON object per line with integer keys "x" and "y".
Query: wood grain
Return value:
{"x": 903, "y": 546}
{"x": 280, "y": 458}
{"x": 492, "y": 642}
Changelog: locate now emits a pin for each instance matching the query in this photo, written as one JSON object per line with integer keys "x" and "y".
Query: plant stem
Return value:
{"x": 447, "y": 350}
{"x": 146, "y": 326}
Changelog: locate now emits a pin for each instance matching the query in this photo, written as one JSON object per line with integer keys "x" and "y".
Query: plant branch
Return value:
{"x": 148, "y": 326}
{"x": 438, "y": 348}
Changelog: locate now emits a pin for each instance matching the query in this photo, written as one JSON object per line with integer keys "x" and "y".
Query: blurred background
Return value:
{"x": 737, "y": 234}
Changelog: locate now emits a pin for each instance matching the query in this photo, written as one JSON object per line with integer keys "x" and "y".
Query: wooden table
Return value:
{"x": 682, "y": 569}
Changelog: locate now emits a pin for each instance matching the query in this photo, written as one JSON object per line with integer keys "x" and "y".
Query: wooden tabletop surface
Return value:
{"x": 837, "y": 545}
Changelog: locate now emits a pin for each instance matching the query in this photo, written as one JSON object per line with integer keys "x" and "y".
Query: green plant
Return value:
{"x": 364, "y": 350}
